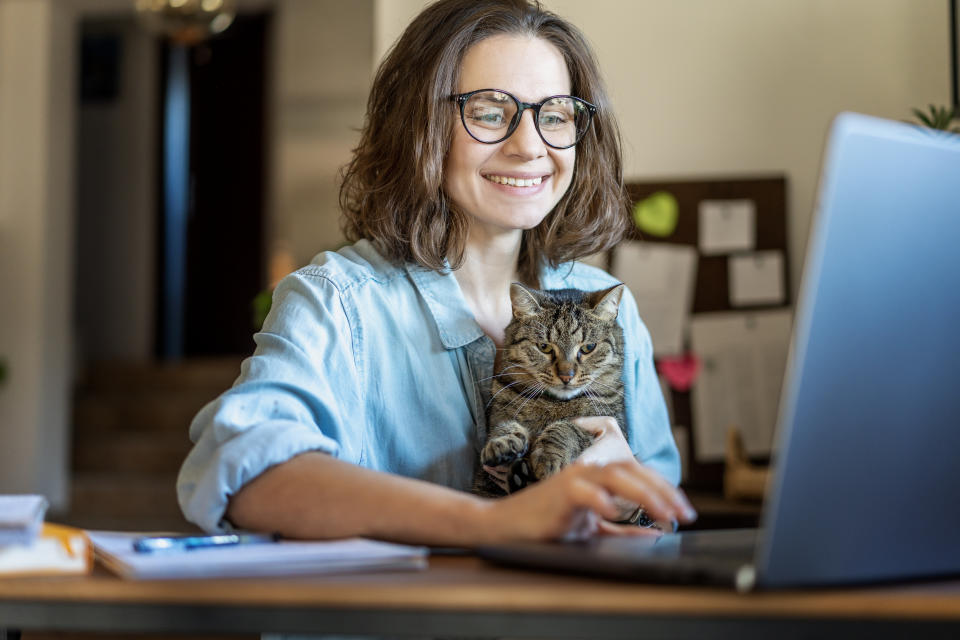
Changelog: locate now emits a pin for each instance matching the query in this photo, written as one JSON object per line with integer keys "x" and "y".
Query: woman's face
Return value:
{"x": 531, "y": 69}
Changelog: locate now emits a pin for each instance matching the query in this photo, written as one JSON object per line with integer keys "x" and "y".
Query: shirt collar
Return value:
{"x": 441, "y": 291}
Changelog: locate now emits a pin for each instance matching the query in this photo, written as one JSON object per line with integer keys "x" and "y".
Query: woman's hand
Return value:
{"x": 610, "y": 445}
{"x": 579, "y": 501}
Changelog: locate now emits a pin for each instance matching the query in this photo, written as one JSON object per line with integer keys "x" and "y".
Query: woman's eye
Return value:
{"x": 587, "y": 348}
{"x": 552, "y": 120}
{"x": 543, "y": 346}
{"x": 488, "y": 118}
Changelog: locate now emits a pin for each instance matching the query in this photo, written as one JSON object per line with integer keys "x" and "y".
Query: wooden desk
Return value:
{"x": 464, "y": 597}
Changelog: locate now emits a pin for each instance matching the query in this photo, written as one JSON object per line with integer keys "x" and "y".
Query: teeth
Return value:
{"x": 515, "y": 182}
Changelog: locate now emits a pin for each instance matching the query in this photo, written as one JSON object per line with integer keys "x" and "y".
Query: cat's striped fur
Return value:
{"x": 562, "y": 358}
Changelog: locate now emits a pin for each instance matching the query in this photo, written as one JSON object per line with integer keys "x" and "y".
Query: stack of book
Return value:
{"x": 28, "y": 546}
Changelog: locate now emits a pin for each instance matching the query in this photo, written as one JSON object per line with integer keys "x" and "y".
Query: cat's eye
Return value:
{"x": 543, "y": 346}
{"x": 587, "y": 348}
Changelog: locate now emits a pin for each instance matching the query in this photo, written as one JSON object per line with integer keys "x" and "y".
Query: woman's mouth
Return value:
{"x": 515, "y": 182}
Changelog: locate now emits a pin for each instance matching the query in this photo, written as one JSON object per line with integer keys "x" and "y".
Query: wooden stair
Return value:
{"x": 130, "y": 435}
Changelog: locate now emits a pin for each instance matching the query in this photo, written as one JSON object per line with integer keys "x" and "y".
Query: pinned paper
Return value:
{"x": 744, "y": 356}
{"x": 756, "y": 278}
{"x": 727, "y": 226}
{"x": 661, "y": 277}
{"x": 657, "y": 214}
{"x": 680, "y": 371}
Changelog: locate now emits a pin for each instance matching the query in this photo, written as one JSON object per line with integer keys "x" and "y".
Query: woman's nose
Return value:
{"x": 525, "y": 141}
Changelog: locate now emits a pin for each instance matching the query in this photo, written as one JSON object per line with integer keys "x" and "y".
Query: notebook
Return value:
{"x": 865, "y": 484}
{"x": 284, "y": 558}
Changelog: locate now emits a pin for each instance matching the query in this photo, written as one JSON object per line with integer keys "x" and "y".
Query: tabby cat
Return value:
{"x": 563, "y": 358}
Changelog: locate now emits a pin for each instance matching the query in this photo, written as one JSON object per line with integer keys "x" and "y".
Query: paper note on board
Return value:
{"x": 744, "y": 356}
{"x": 727, "y": 226}
{"x": 661, "y": 278}
{"x": 756, "y": 278}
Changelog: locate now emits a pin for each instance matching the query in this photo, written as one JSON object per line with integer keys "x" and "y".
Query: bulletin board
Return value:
{"x": 711, "y": 288}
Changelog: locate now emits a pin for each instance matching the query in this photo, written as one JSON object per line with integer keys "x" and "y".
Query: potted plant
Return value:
{"x": 940, "y": 118}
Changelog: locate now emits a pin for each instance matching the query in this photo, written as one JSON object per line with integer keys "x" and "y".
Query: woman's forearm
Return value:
{"x": 317, "y": 496}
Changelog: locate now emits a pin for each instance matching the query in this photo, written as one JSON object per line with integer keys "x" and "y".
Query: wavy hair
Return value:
{"x": 391, "y": 192}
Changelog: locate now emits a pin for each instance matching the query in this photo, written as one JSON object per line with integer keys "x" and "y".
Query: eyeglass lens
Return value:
{"x": 489, "y": 117}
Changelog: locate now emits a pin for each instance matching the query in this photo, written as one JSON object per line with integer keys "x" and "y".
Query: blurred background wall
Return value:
{"x": 702, "y": 88}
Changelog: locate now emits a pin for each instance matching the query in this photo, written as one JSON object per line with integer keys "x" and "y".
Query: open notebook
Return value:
{"x": 283, "y": 558}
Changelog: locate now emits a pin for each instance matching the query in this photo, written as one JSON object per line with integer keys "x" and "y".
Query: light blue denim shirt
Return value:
{"x": 383, "y": 366}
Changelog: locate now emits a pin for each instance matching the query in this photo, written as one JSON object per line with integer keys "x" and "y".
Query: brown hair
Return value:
{"x": 392, "y": 191}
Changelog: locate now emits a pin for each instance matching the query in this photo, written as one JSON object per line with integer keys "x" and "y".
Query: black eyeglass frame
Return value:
{"x": 461, "y": 100}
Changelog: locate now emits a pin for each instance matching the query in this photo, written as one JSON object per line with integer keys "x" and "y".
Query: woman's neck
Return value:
{"x": 489, "y": 266}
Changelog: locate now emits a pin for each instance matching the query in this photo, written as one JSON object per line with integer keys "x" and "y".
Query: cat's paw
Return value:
{"x": 545, "y": 464}
{"x": 503, "y": 450}
{"x": 520, "y": 476}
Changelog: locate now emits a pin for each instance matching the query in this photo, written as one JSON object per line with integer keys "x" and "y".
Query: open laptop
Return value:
{"x": 866, "y": 480}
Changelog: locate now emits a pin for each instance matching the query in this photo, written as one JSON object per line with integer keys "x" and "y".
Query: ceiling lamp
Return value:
{"x": 186, "y": 21}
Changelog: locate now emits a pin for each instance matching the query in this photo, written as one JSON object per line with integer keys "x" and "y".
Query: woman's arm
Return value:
{"x": 317, "y": 496}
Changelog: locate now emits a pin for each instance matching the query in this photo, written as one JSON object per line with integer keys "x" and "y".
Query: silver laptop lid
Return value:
{"x": 867, "y": 480}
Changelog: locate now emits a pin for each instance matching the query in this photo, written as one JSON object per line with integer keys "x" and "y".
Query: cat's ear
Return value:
{"x": 524, "y": 301}
{"x": 606, "y": 302}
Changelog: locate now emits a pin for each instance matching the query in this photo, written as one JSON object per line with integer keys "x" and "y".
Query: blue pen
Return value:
{"x": 151, "y": 544}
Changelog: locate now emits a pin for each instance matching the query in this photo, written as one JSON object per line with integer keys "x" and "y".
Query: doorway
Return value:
{"x": 212, "y": 172}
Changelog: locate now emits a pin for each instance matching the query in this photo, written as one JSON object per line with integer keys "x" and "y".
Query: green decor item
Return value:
{"x": 657, "y": 214}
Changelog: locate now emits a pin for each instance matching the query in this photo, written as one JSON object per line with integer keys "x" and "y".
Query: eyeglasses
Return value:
{"x": 491, "y": 116}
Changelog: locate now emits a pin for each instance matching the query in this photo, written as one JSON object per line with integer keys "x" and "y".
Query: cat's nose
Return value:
{"x": 566, "y": 371}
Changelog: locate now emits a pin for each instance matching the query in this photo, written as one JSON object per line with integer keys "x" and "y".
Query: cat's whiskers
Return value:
{"x": 512, "y": 384}
{"x": 503, "y": 372}
{"x": 520, "y": 408}
{"x": 593, "y": 398}
{"x": 533, "y": 391}
{"x": 606, "y": 387}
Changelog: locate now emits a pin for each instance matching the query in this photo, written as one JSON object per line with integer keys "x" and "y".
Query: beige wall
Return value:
{"x": 736, "y": 87}
{"x": 322, "y": 70}
{"x": 37, "y": 90}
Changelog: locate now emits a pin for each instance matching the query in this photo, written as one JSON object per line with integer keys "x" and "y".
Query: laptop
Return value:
{"x": 866, "y": 475}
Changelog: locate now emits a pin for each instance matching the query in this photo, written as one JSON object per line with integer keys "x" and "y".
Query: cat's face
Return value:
{"x": 562, "y": 343}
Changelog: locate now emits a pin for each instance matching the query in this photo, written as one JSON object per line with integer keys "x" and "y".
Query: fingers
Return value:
{"x": 597, "y": 425}
{"x": 593, "y": 496}
{"x": 645, "y": 486}
{"x": 639, "y": 484}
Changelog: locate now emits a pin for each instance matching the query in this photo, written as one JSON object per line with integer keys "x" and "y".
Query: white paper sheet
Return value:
{"x": 21, "y": 517}
{"x": 756, "y": 278}
{"x": 726, "y": 226}
{"x": 661, "y": 278}
{"x": 744, "y": 356}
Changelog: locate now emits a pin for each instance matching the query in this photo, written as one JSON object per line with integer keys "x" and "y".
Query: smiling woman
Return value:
{"x": 489, "y": 155}
{"x": 587, "y": 218}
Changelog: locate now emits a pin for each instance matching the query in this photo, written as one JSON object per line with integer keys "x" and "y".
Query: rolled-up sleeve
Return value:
{"x": 647, "y": 420}
{"x": 299, "y": 392}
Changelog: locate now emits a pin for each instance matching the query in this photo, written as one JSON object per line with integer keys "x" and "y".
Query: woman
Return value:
{"x": 361, "y": 411}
